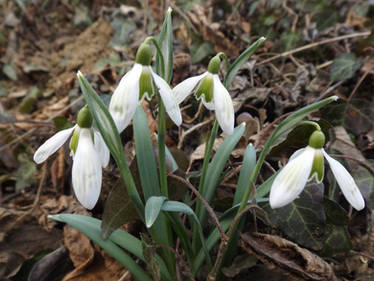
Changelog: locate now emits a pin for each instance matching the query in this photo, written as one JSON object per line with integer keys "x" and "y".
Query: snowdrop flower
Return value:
{"x": 214, "y": 95}
{"x": 89, "y": 154}
{"x": 137, "y": 84}
{"x": 306, "y": 164}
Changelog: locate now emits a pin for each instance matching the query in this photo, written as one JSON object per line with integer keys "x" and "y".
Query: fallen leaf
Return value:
{"x": 296, "y": 262}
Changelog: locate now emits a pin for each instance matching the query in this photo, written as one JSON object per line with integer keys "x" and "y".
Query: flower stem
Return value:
{"x": 161, "y": 148}
{"x": 207, "y": 154}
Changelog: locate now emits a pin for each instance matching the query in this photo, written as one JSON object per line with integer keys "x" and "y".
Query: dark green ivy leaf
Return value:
{"x": 303, "y": 219}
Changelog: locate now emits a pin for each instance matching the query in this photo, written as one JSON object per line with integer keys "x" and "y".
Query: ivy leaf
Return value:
{"x": 303, "y": 219}
{"x": 357, "y": 116}
{"x": 344, "y": 66}
{"x": 336, "y": 240}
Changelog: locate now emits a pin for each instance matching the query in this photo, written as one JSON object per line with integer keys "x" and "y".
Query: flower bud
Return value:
{"x": 317, "y": 140}
{"x": 214, "y": 65}
{"x": 84, "y": 118}
{"x": 144, "y": 54}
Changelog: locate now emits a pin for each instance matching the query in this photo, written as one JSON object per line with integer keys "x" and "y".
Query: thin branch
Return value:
{"x": 204, "y": 202}
{"x": 315, "y": 44}
{"x": 362, "y": 163}
{"x": 179, "y": 258}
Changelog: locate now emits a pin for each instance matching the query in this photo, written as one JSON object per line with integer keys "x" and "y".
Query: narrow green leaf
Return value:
{"x": 237, "y": 64}
{"x": 102, "y": 117}
{"x": 153, "y": 208}
{"x": 225, "y": 221}
{"x": 109, "y": 132}
{"x": 91, "y": 228}
{"x": 217, "y": 165}
{"x": 165, "y": 40}
{"x": 175, "y": 206}
{"x": 264, "y": 188}
{"x": 145, "y": 156}
{"x": 182, "y": 233}
{"x": 134, "y": 246}
{"x": 249, "y": 163}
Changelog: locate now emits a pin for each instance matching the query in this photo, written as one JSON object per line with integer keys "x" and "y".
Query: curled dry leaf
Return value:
{"x": 296, "y": 262}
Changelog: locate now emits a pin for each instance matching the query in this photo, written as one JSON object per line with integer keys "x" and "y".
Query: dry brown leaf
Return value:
{"x": 211, "y": 32}
{"x": 199, "y": 152}
{"x": 21, "y": 241}
{"x": 80, "y": 251}
{"x": 344, "y": 145}
{"x": 296, "y": 262}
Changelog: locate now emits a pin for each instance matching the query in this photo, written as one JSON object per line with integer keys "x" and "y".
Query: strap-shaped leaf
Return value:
{"x": 237, "y": 64}
{"x": 165, "y": 41}
{"x": 217, "y": 165}
{"x": 91, "y": 228}
{"x": 153, "y": 208}
{"x": 249, "y": 163}
{"x": 175, "y": 206}
{"x": 145, "y": 156}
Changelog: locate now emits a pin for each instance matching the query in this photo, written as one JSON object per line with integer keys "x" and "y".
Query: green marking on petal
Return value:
{"x": 318, "y": 166}
{"x": 145, "y": 84}
{"x": 74, "y": 141}
{"x": 206, "y": 89}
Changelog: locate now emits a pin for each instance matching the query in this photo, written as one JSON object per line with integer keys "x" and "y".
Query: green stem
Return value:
{"x": 161, "y": 147}
{"x": 130, "y": 184}
{"x": 207, "y": 154}
{"x": 159, "y": 52}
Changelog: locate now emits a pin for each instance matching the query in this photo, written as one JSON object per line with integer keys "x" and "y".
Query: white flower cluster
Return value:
{"x": 89, "y": 152}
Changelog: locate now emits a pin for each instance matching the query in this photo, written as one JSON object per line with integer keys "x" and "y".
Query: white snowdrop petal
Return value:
{"x": 223, "y": 106}
{"x": 168, "y": 98}
{"x": 52, "y": 145}
{"x": 290, "y": 181}
{"x": 101, "y": 149}
{"x": 125, "y": 98}
{"x": 185, "y": 88}
{"x": 86, "y": 172}
{"x": 346, "y": 183}
{"x": 208, "y": 105}
{"x": 296, "y": 153}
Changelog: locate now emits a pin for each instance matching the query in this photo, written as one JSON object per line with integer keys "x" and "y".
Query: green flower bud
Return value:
{"x": 84, "y": 118}
{"x": 145, "y": 84}
{"x": 206, "y": 88}
{"x": 317, "y": 140}
{"x": 214, "y": 65}
{"x": 144, "y": 54}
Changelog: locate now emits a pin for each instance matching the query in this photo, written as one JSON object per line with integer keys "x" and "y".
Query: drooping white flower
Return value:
{"x": 306, "y": 164}
{"x": 213, "y": 93}
{"x": 137, "y": 84}
{"x": 90, "y": 155}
